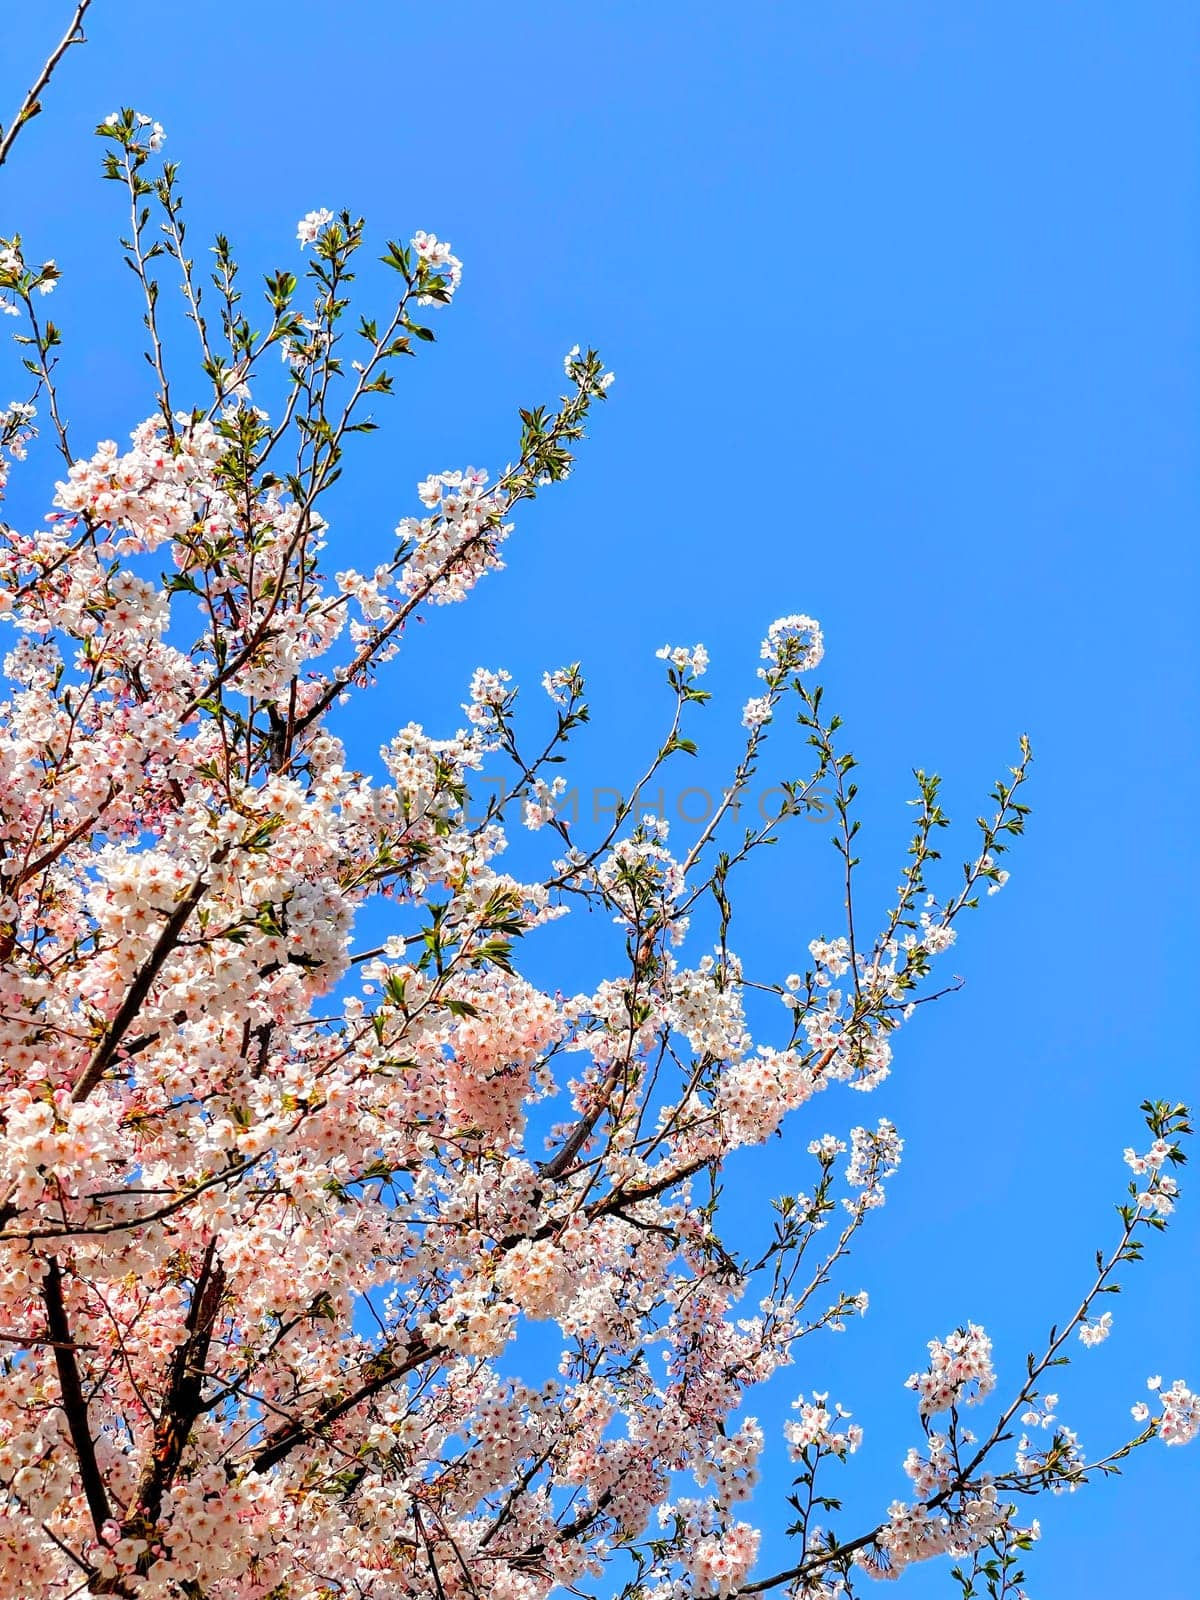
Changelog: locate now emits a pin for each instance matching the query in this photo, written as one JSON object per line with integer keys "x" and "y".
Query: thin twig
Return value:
{"x": 31, "y": 105}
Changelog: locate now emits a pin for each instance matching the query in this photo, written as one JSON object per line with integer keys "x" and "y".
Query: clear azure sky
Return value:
{"x": 901, "y": 298}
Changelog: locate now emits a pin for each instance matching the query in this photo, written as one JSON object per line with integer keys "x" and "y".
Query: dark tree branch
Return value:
{"x": 73, "y": 1400}
{"x": 183, "y": 1402}
{"x": 105, "y": 1052}
{"x": 181, "y": 1406}
{"x": 382, "y": 1370}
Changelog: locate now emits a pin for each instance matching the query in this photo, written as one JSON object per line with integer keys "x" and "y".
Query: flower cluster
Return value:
{"x": 1160, "y": 1190}
{"x": 310, "y": 225}
{"x": 818, "y": 1428}
{"x": 720, "y": 1561}
{"x": 1095, "y": 1332}
{"x": 793, "y": 644}
{"x": 874, "y": 1157}
{"x": 1179, "y": 1422}
{"x": 913, "y": 1533}
{"x": 960, "y": 1371}
{"x": 693, "y": 661}
{"x": 441, "y": 269}
{"x": 445, "y": 554}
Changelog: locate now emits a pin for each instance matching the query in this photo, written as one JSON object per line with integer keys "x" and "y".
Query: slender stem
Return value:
{"x": 31, "y": 104}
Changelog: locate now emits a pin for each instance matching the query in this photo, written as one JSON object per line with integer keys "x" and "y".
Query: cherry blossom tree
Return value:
{"x": 278, "y": 1212}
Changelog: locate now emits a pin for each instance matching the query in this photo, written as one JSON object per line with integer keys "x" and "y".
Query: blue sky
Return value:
{"x": 901, "y": 301}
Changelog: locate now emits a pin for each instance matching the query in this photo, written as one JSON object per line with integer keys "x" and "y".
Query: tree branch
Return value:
{"x": 31, "y": 104}
{"x": 73, "y": 1400}
{"x": 381, "y": 1370}
{"x": 106, "y": 1051}
{"x": 181, "y": 1405}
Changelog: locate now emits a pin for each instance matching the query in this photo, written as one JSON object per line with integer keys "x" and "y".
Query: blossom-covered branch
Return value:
{"x": 331, "y": 1267}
